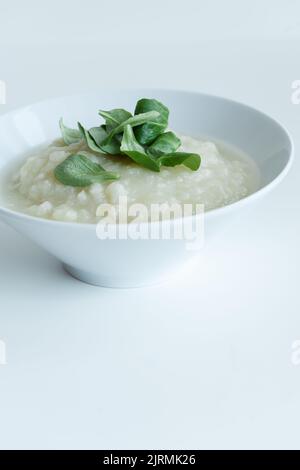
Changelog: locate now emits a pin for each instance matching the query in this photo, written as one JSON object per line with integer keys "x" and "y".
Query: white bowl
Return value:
{"x": 132, "y": 263}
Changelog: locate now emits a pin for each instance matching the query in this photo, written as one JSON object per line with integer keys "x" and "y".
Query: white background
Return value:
{"x": 200, "y": 362}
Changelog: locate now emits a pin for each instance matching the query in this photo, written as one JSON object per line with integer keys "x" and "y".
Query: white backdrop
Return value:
{"x": 204, "y": 362}
{"x": 139, "y": 22}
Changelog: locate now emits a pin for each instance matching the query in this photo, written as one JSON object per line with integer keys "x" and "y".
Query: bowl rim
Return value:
{"x": 207, "y": 214}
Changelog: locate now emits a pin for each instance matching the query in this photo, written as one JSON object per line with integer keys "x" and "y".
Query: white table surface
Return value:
{"x": 200, "y": 362}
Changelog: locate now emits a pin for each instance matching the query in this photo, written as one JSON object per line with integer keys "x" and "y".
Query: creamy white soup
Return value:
{"x": 225, "y": 176}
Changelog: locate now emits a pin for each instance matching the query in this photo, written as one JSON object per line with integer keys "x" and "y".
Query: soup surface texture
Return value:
{"x": 224, "y": 177}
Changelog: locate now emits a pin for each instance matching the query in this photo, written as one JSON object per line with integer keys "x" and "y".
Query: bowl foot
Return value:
{"x": 101, "y": 281}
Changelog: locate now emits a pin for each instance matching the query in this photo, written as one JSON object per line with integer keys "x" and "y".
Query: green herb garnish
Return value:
{"x": 165, "y": 143}
{"x": 148, "y": 132}
{"x": 141, "y": 137}
{"x": 79, "y": 170}
{"x": 136, "y": 151}
{"x": 70, "y": 136}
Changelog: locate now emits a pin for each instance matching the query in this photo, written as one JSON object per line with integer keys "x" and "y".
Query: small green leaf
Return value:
{"x": 70, "y": 136}
{"x": 163, "y": 144}
{"x": 136, "y": 152}
{"x": 79, "y": 170}
{"x": 132, "y": 121}
{"x": 99, "y": 135}
{"x": 190, "y": 160}
{"x": 90, "y": 141}
{"x": 149, "y": 131}
{"x": 114, "y": 118}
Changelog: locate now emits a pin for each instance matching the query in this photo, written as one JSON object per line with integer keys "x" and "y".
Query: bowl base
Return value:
{"x": 100, "y": 281}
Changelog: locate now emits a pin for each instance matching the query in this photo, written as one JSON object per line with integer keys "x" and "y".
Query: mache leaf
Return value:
{"x": 114, "y": 118}
{"x": 79, "y": 170}
{"x": 150, "y": 130}
{"x": 136, "y": 152}
{"x": 89, "y": 139}
{"x": 190, "y": 160}
{"x": 99, "y": 135}
{"x": 70, "y": 136}
{"x": 164, "y": 144}
{"x": 132, "y": 121}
